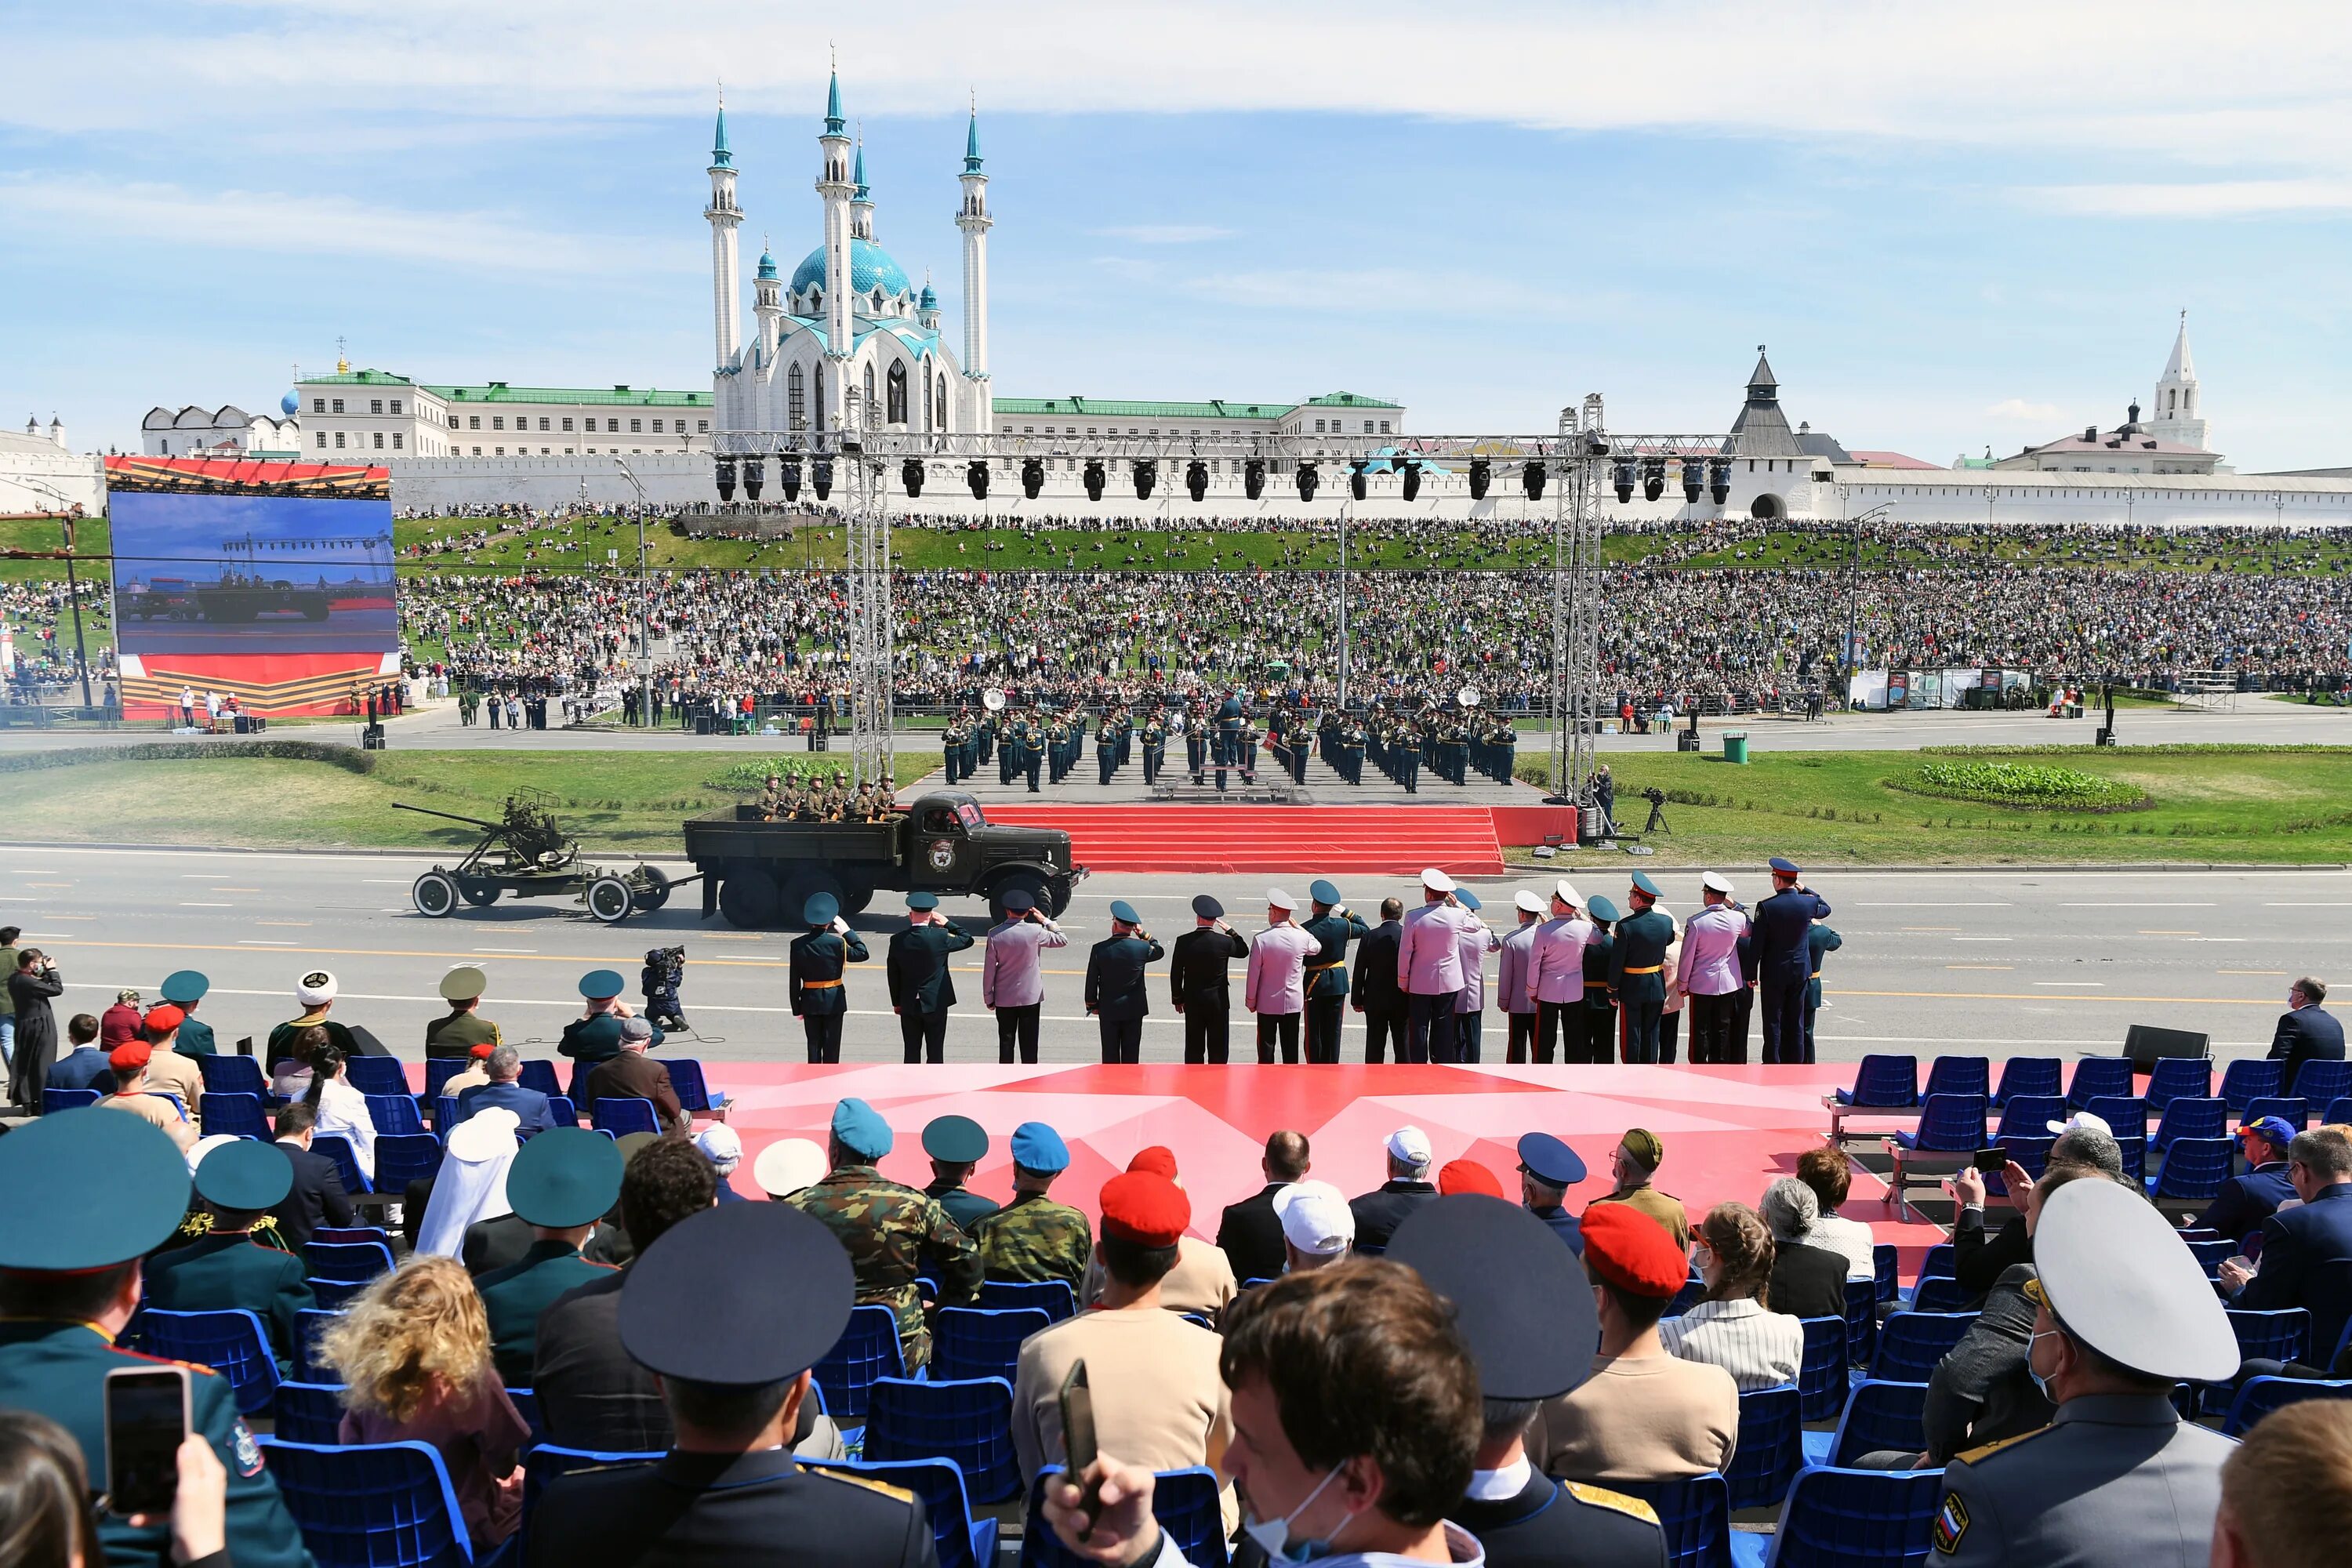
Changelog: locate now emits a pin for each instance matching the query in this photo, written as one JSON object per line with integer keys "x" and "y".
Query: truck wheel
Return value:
{"x": 435, "y": 894}
{"x": 1028, "y": 882}
{"x": 609, "y": 899}
{"x": 479, "y": 892}
{"x": 1060, "y": 890}
{"x": 747, "y": 898}
{"x": 857, "y": 892}
{"x": 803, "y": 885}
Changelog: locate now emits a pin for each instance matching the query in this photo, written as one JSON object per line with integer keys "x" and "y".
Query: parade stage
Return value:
{"x": 1728, "y": 1131}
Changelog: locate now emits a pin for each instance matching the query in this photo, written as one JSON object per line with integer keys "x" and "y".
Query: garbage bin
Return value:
{"x": 1735, "y": 746}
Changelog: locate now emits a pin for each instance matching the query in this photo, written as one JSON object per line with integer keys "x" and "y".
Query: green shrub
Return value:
{"x": 2032, "y": 785}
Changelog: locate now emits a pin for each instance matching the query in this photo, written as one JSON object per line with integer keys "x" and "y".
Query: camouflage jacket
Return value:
{"x": 892, "y": 1234}
{"x": 1034, "y": 1238}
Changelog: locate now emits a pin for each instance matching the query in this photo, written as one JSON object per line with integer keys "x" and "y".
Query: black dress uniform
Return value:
{"x": 1197, "y": 980}
{"x": 1326, "y": 972}
{"x": 564, "y": 1177}
{"x": 921, "y": 988}
{"x": 1551, "y": 1522}
{"x": 1115, "y": 988}
{"x": 817, "y": 958}
{"x": 1784, "y": 963}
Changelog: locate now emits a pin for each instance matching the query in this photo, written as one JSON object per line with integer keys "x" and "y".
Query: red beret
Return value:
{"x": 130, "y": 1056}
{"x": 164, "y": 1018}
{"x": 1627, "y": 1249}
{"x": 1146, "y": 1209}
{"x": 1467, "y": 1176}
{"x": 481, "y": 1053}
{"x": 1158, "y": 1161}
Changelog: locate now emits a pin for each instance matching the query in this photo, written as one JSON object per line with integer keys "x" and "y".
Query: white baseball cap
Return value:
{"x": 720, "y": 1146}
{"x": 1716, "y": 882}
{"x": 2079, "y": 1120}
{"x": 1436, "y": 881}
{"x": 1409, "y": 1146}
{"x": 787, "y": 1165}
{"x": 1565, "y": 891}
{"x": 1280, "y": 899}
{"x": 1528, "y": 899}
{"x": 1315, "y": 1219}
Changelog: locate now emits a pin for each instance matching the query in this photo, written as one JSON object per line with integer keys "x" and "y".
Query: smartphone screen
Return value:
{"x": 1991, "y": 1161}
{"x": 146, "y": 1418}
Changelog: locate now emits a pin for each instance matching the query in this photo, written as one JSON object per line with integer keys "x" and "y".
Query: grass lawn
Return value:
{"x": 2278, "y": 804}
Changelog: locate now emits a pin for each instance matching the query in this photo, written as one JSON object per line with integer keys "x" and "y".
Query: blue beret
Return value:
{"x": 1520, "y": 1299}
{"x": 958, "y": 1139}
{"x": 820, "y": 910}
{"x": 88, "y": 1191}
{"x": 1601, "y": 909}
{"x": 1016, "y": 902}
{"x": 599, "y": 984}
{"x": 565, "y": 1176}
{"x": 859, "y": 1128}
{"x": 1207, "y": 908}
{"x": 922, "y": 900}
{"x": 1549, "y": 1160}
{"x": 1469, "y": 899}
{"x": 1785, "y": 866}
{"x": 1037, "y": 1147}
{"x": 1641, "y": 884}
{"x": 1120, "y": 909}
{"x": 1323, "y": 891}
{"x": 184, "y": 985}
{"x": 788, "y": 1289}
{"x": 246, "y": 1174}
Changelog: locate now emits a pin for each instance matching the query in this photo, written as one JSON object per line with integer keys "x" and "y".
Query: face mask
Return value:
{"x": 2039, "y": 1380}
{"x": 1272, "y": 1535}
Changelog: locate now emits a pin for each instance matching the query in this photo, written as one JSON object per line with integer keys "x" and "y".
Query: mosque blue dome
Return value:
{"x": 290, "y": 405}
{"x": 767, "y": 265}
{"x": 870, "y": 268}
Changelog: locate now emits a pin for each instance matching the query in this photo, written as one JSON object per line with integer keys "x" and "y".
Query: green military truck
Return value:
{"x": 758, "y": 873}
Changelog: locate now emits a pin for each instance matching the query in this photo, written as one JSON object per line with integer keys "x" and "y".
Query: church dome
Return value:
{"x": 870, "y": 268}
{"x": 290, "y": 405}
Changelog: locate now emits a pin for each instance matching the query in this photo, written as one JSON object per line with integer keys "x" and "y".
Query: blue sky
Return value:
{"x": 1954, "y": 227}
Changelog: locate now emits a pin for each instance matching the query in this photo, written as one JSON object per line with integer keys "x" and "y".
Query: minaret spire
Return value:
{"x": 837, "y": 189}
{"x": 724, "y": 217}
{"x": 973, "y": 220}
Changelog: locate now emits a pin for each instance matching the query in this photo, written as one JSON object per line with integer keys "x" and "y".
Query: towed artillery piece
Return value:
{"x": 528, "y": 854}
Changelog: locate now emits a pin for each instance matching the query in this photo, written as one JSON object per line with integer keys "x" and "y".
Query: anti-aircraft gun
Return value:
{"x": 527, "y": 853}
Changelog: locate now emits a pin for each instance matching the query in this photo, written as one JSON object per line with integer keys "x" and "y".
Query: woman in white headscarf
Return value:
{"x": 472, "y": 1183}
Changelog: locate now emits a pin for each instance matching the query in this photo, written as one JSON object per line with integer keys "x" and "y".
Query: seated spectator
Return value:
{"x": 45, "y": 1519}
{"x": 561, "y": 1184}
{"x": 633, "y": 1074}
{"x": 228, "y": 1269}
{"x": 2239, "y": 1209}
{"x": 1824, "y": 1170}
{"x": 1202, "y": 1280}
{"x": 120, "y": 1022}
{"x": 1978, "y": 1260}
{"x": 85, "y": 1066}
{"x": 316, "y": 1196}
{"x": 1644, "y": 1415}
{"x": 342, "y": 1110}
{"x": 1319, "y": 1228}
{"x": 1808, "y": 1281}
{"x": 469, "y": 1193}
{"x": 1733, "y": 1326}
{"x": 476, "y": 1072}
{"x": 291, "y": 1078}
{"x": 1379, "y": 1212}
{"x": 1547, "y": 1168}
{"x": 315, "y": 993}
{"x": 129, "y": 1063}
{"x": 503, "y": 1090}
{"x": 1249, "y": 1234}
{"x": 2286, "y": 1492}
{"x": 1034, "y": 1238}
{"x": 2308, "y": 1250}
{"x": 723, "y": 1147}
{"x": 1634, "y": 1164}
{"x": 415, "y": 1354}
{"x": 167, "y": 1069}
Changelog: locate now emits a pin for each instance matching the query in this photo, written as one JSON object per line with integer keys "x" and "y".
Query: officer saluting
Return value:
{"x": 921, "y": 988}
{"x": 93, "y": 1195}
{"x": 1524, "y": 1309}
{"x": 1115, "y": 989}
{"x": 1784, "y": 962}
{"x": 1334, "y": 925}
{"x": 817, "y": 960}
{"x": 729, "y": 1310}
{"x": 1198, "y": 979}
{"x": 2123, "y": 1312}
{"x": 1636, "y": 966}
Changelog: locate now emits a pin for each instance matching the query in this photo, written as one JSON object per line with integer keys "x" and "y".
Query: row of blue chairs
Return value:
{"x": 1891, "y": 1081}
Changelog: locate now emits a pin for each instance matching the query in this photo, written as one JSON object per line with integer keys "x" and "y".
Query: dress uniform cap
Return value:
{"x": 316, "y": 986}
{"x": 1436, "y": 881}
{"x": 130, "y": 1056}
{"x": 1323, "y": 891}
{"x": 1281, "y": 899}
{"x": 1037, "y": 1147}
{"x": 957, "y": 1140}
{"x": 1315, "y": 1218}
{"x": 485, "y": 1135}
{"x": 922, "y": 900}
{"x": 1146, "y": 1209}
{"x": 1627, "y": 1249}
{"x": 1521, "y": 1299}
{"x": 1549, "y": 1160}
{"x": 787, "y": 1166}
{"x": 185, "y": 985}
{"x": 1124, "y": 912}
{"x": 1469, "y": 899}
{"x": 1565, "y": 891}
{"x": 820, "y": 910}
{"x": 1645, "y": 1146}
{"x": 1159, "y": 1160}
{"x": 1602, "y": 908}
{"x": 244, "y": 1174}
{"x": 92, "y": 1190}
{"x": 1016, "y": 902}
{"x": 788, "y": 1290}
{"x": 2118, "y": 1279}
{"x": 1208, "y": 908}
{"x": 163, "y": 1018}
{"x": 1528, "y": 899}
{"x": 1468, "y": 1176}
{"x": 599, "y": 984}
{"x": 860, "y": 1129}
{"x": 1641, "y": 884}
{"x": 464, "y": 982}
{"x": 1714, "y": 882}
{"x": 1786, "y": 867}
{"x": 565, "y": 1176}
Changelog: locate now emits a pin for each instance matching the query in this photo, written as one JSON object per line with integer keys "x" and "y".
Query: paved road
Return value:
{"x": 2051, "y": 961}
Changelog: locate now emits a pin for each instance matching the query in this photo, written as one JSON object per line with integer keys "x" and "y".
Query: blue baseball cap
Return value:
{"x": 860, "y": 1129}
{"x": 1323, "y": 891}
{"x": 89, "y": 1190}
{"x": 820, "y": 910}
{"x": 1549, "y": 1160}
{"x": 246, "y": 1174}
{"x": 1120, "y": 909}
{"x": 1037, "y": 1147}
{"x": 599, "y": 984}
{"x": 2277, "y": 1128}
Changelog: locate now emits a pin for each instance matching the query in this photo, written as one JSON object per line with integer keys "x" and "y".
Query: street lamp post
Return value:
{"x": 645, "y": 593}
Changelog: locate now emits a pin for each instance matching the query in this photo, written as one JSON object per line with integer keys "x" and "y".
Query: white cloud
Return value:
{"x": 2020, "y": 409}
{"x": 2203, "y": 198}
{"x": 1165, "y": 233}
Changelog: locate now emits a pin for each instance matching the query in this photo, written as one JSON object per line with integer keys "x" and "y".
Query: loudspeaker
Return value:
{"x": 2144, "y": 1043}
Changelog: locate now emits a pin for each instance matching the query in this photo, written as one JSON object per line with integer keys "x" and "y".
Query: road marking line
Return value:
{"x": 2093, "y": 984}
{"x": 281, "y": 923}
{"x": 1866, "y": 904}
{"x": 1984, "y": 938}
{"x": 1931, "y": 928}
{"x": 237, "y": 889}
{"x": 2280, "y": 972}
{"x": 48, "y": 884}
{"x": 262, "y": 942}
{"x": 1981, "y": 967}
{"x": 2145, "y": 932}
{"x": 508, "y": 950}
{"x": 2137, "y": 904}
{"x": 2021, "y": 996}
{"x": 186, "y": 905}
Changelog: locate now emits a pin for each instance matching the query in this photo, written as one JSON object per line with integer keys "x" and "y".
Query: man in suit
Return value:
{"x": 1250, "y": 1232}
{"x": 529, "y": 1105}
{"x": 85, "y": 1066}
{"x": 1115, "y": 989}
{"x": 2307, "y": 1251}
{"x": 921, "y": 989}
{"x": 2305, "y": 1033}
{"x": 632, "y": 1075}
{"x": 1784, "y": 960}
{"x": 733, "y": 1366}
{"x": 315, "y": 1195}
{"x": 2239, "y": 1209}
{"x": 1379, "y": 1212}
{"x": 1375, "y": 992}
{"x": 226, "y": 1270}
{"x": 561, "y": 1184}
{"x": 1198, "y": 982}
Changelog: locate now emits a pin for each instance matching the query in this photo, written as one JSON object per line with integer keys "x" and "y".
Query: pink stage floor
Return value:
{"x": 1728, "y": 1131}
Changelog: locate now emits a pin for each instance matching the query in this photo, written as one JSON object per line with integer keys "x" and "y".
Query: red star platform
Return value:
{"x": 1728, "y": 1131}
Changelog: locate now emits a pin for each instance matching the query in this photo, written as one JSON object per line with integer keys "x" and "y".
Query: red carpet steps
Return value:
{"x": 1321, "y": 840}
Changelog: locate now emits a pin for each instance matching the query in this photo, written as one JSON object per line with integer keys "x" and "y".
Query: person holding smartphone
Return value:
{"x": 97, "y": 1193}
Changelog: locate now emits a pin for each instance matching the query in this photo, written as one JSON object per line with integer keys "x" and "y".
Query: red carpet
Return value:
{"x": 1328, "y": 840}
{"x": 1727, "y": 1131}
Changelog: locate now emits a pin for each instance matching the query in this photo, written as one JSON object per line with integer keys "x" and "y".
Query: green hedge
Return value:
{"x": 351, "y": 759}
{"x": 2035, "y": 786}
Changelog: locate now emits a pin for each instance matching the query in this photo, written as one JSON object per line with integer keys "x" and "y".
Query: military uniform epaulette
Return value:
{"x": 900, "y": 1494}
{"x": 1977, "y": 1456}
{"x": 1601, "y": 1497}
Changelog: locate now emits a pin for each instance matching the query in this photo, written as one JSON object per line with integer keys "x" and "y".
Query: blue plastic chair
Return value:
{"x": 2318, "y": 1081}
{"x": 2189, "y": 1117}
{"x": 308, "y": 1413}
{"x": 2339, "y": 1111}
{"x": 56, "y": 1099}
{"x": 353, "y": 1233}
{"x": 2247, "y": 1080}
{"x": 562, "y": 1112}
{"x": 1861, "y": 1320}
{"x": 2295, "y": 1113}
{"x": 547, "y": 1461}
{"x": 334, "y": 1295}
{"x": 1956, "y": 1075}
{"x": 2283, "y": 1334}
{"x": 963, "y": 1541}
{"x": 2033, "y": 1157}
{"x": 868, "y": 1350}
{"x": 1883, "y": 1083}
{"x": 1949, "y": 1123}
{"x": 405, "y": 1157}
{"x": 2030, "y": 1115}
{"x": 378, "y": 1505}
{"x": 230, "y": 1342}
{"x": 539, "y": 1073}
{"x": 2258, "y": 1397}
{"x": 445, "y": 1115}
{"x": 1693, "y": 1292}
{"x": 1055, "y": 1296}
{"x": 2179, "y": 1078}
{"x": 693, "y": 1090}
{"x": 1857, "y": 1519}
{"x": 233, "y": 1075}
{"x": 1941, "y": 1293}
{"x": 338, "y": 1148}
{"x": 1881, "y": 1417}
{"x": 2028, "y": 1074}
{"x": 350, "y": 1260}
{"x": 2209, "y": 1254}
{"x": 969, "y": 1342}
{"x": 1696, "y": 1514}
{"x": 526, "y": 1404}
{"x": 1885, "y": 1259}
{"x": 308, "y": 1367}
{"x": 395, "y": 1114}
{"x": 2095, "y": 1077}
{"x": 1185, "y": 1502}
{"x": 1911, "y": 1343}
{"x": 1822, "y": 1374}
{"x": 378, "y": 1075}
{"x": 2126, "y": 1113}
{"x": 438, "y": 1071}
{"x": 621, "y": 1117}
{"x": 1769, "y": 1453}
{"x": 2193, "y": 1170}
{"x": 1939, "y": 1261}
{"x": 969, "y": 1421}
{"x": 238, "y": 1114}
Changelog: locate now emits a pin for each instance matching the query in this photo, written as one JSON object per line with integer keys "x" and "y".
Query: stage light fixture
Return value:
{"x": 976, "y": 476}
{"x": 1412, "y": 480}
{"x": 726, "y": 478}
{"x": 1718, "y": 479}
{"x": 820, "y": 477}
{"x": 1095, "y": 479}
{"x": 1356, "y": 485}
{"x": 1624, "y": 478}
{"x": 755, "y": 478}
{"x": 1596, "y": 446}
{"x": 1147, "y": 475}
{"x": 788, "y": 478}
{"x": 1479, "y": 473}
{"x": 1653, "y": 477}
{"x": 1196, "y": 478}
{"x": 1693, "y": 481}
{"x": 1531, "y": 480}
{"x": 1253, "y": 477}
{"x": 1032, "y": 477}
{"x": 910, "y": 474}
{"x": 1307, "y": 479}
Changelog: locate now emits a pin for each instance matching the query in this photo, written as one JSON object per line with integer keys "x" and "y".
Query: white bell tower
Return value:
{"x": 2174, "y": 415}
